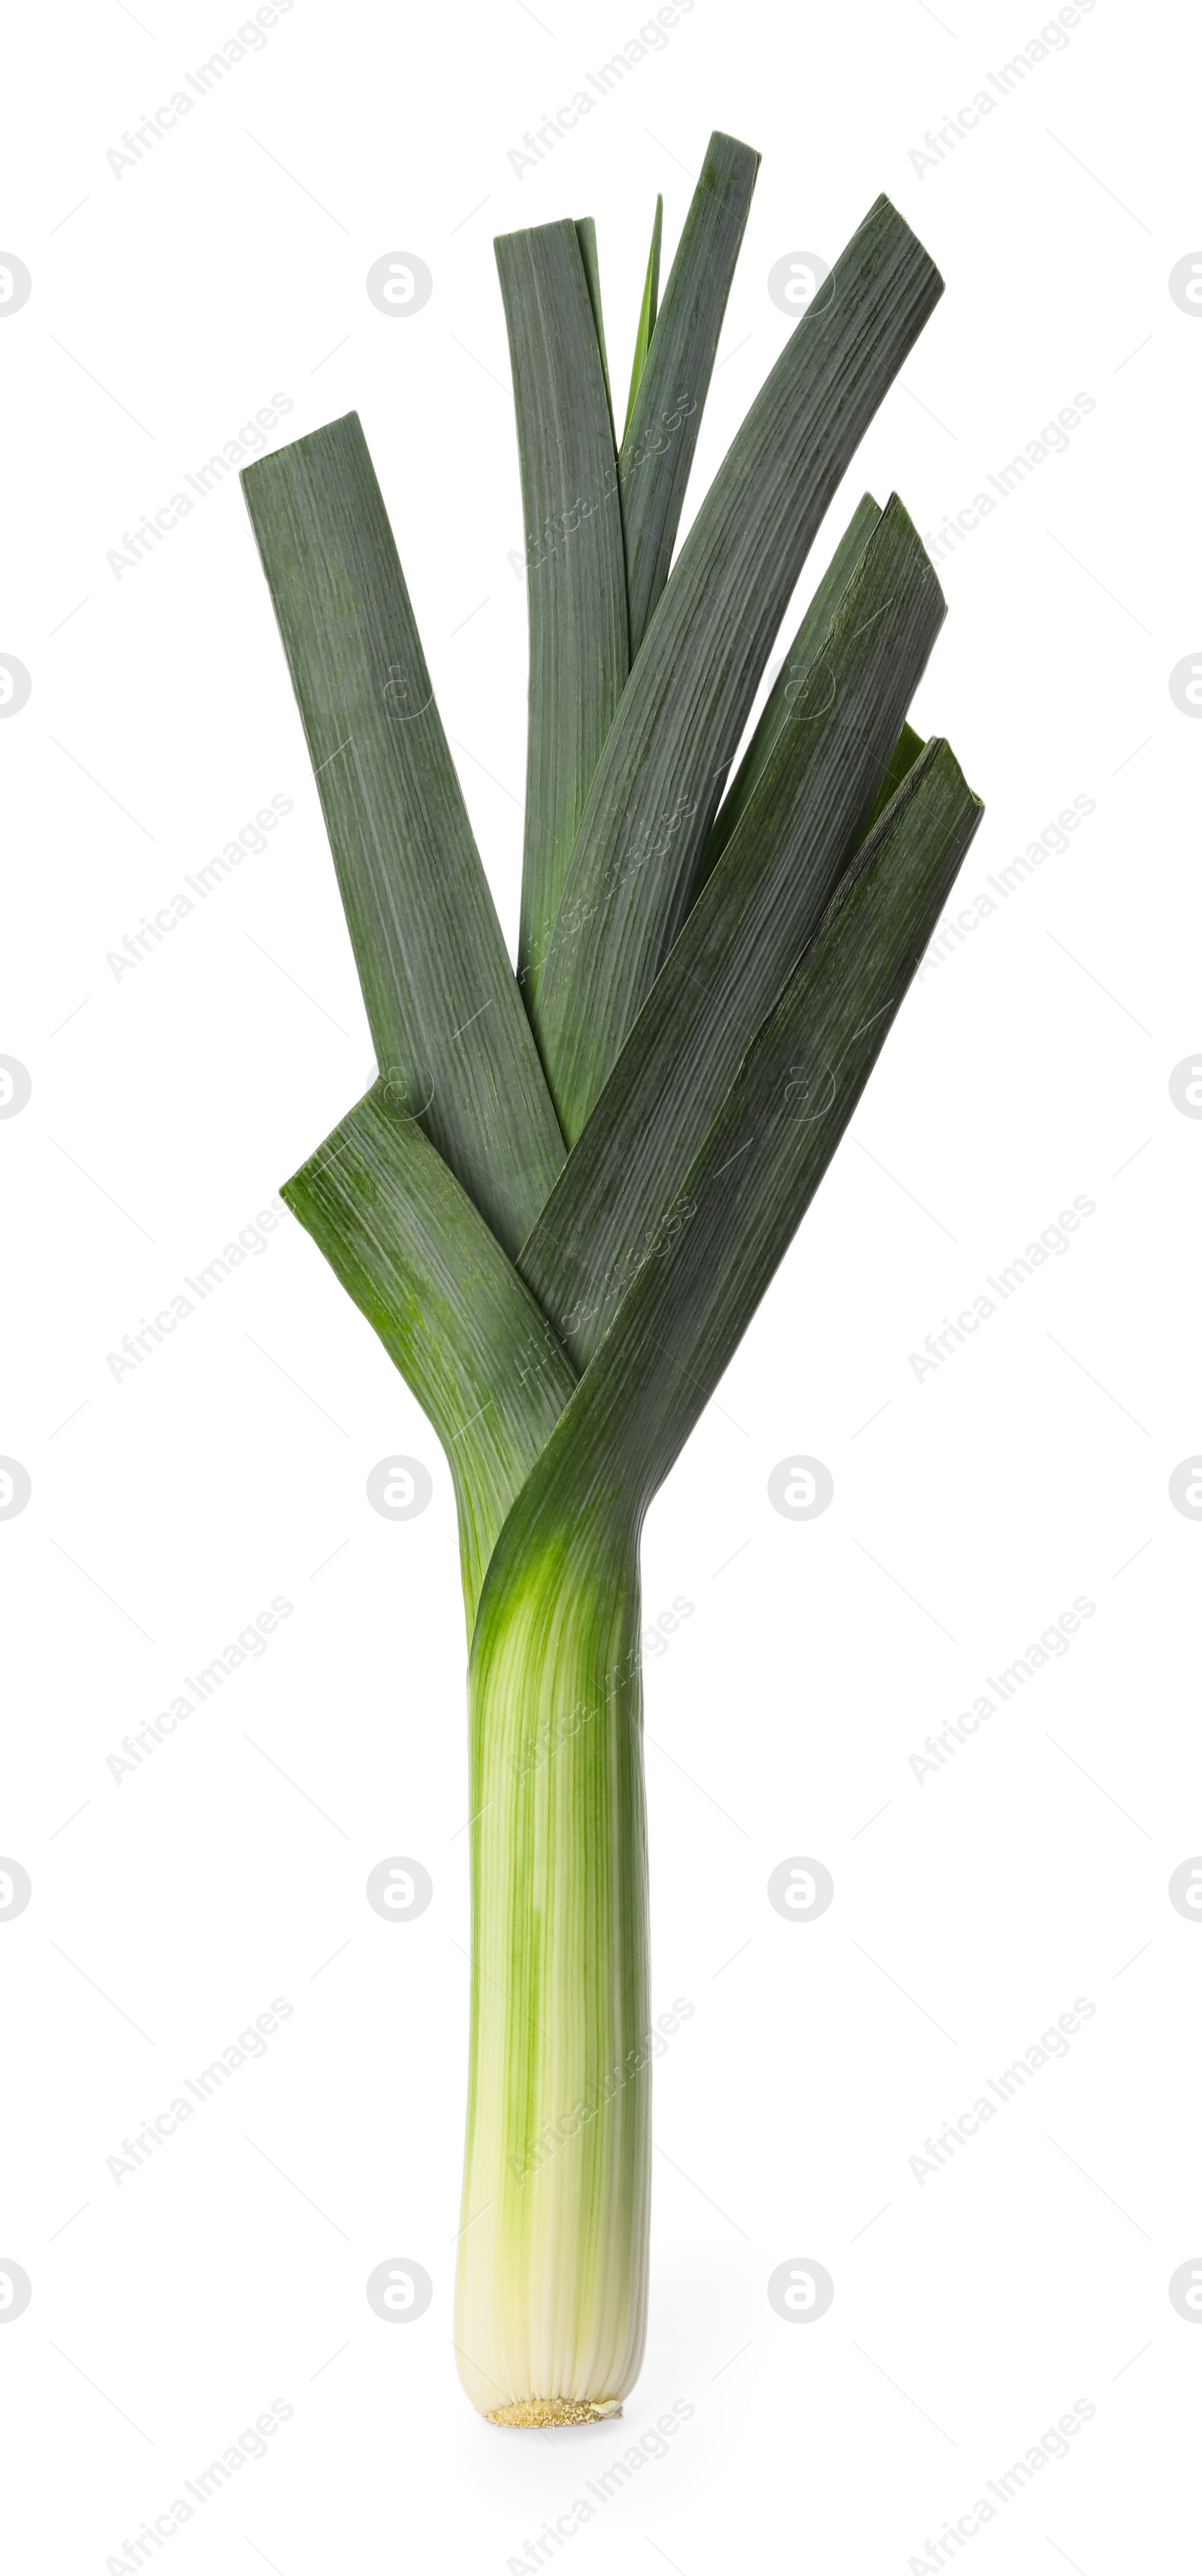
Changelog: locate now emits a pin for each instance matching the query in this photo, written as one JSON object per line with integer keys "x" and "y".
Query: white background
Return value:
{"x": 971, "y": 1909}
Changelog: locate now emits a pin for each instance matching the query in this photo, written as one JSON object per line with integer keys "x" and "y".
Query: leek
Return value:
{"x": 561, "y": 1201}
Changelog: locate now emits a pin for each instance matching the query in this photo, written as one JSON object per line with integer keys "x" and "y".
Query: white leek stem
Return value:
{"x": 552, "y": 2286}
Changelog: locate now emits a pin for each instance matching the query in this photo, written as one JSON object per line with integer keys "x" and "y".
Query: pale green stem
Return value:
{"x": 552, "y": 2286}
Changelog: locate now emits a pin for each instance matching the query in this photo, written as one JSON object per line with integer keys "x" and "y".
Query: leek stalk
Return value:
{"x": 561, "y": 1201}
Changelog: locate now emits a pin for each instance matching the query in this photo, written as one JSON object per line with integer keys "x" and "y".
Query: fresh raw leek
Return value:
{"x": 561, "y": 1201}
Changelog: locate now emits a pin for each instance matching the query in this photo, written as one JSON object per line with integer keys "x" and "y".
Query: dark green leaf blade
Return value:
{"x": 648, "y": 815}
{"x": 445, "y": 1015}
{"x": 749, "y": 1186}
{"x": 575, "y": 565}
{"x": 800, "y": 827}
{"x": 647, "y": 310}
{"x": 901, "y": 760}
{"x": 432, "y": 1280}
{"x": 789, "y": 679}
{"x": 668, "y": 400}
{"x": 586, "y": 235}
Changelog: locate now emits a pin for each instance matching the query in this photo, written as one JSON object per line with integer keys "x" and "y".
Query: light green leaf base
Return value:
{"x": 551, "y": 2296}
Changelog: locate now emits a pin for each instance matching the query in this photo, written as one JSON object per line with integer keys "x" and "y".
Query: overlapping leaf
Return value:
{"x": 673, "y": 363}
{"x": 806, "y": 811}
{"x": 444, "y": 1011}
{"x": 747, "y": 1188}
{"x": 790, "y": 679}
{"x": 575, "y": 565}
{"x": 647, "y": 310}
{"x": 709, "y": 992}
{"x": 417, "y": 1257}
{"x": 652, "y": 801}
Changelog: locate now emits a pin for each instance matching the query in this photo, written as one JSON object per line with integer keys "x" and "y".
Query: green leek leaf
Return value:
{"x": 747, "y": 1188}
{"x": 575, "y": 565}
{"x": 444, "y": 1011}
{"x": 434, "y": 1283}
{"x": 709, "y": 990}
{"x": 586, "y": 235}
{"x": 803, "y": 820}
{"x": 632, "y": 872}
{"x": 647, "y": 310}
{"x": 901, "y": 759}
{"x": 671, "y": 383}
{"x": 783, "y": 694}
